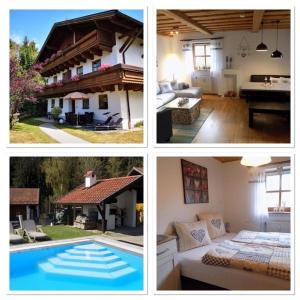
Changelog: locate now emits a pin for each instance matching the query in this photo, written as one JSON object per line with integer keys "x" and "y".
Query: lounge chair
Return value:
{"x": 113, "y": 125}
{"x": 33, "y": 232}
{"x": 14, "y": 237}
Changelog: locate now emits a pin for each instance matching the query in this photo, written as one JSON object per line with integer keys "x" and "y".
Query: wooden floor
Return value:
{"x": 228, "y": 123}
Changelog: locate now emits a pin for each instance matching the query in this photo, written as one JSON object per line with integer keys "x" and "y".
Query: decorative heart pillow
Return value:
{"x": 192, "y": 235}
{"x": 215, "y": 224}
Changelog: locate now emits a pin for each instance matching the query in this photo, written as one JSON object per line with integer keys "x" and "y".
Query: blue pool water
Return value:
{"x": 82, "y": 266}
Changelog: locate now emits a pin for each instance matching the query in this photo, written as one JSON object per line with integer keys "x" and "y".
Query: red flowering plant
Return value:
{"x": 59, "y": 83}
{"x": 59, "y": 53}
{"x": 75, "y": 77}
{"x": 104, "y": 67}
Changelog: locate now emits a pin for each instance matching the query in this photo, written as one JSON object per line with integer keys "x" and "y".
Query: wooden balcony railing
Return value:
{"x": 126, "y": 77}
{"x": 92, "y": 44}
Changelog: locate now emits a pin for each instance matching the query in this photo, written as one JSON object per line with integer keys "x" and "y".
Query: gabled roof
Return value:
{"x": 24, "y": 196}
{"x": 102, "y": 190}
{"x": 136, "y": 171}
{"x": 112, "y": 20}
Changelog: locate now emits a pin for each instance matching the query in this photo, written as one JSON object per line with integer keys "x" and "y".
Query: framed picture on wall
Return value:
{"x": 195, "y": 183}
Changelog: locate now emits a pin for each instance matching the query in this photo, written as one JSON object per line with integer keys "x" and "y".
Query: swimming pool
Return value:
{"x": 79, "y": 266}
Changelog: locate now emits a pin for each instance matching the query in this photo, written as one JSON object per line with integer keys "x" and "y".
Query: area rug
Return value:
{"x": 186, "y": 133}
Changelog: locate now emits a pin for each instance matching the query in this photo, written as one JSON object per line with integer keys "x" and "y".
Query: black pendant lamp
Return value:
{"x": 276, "y": 53}
{"x": 262, "y": 47}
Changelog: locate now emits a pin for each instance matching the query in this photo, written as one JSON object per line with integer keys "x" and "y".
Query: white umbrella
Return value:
{"x": 76, "y": 96}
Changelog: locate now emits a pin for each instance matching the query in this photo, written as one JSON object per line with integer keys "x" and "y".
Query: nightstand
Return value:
{"x": 168, "y": 274}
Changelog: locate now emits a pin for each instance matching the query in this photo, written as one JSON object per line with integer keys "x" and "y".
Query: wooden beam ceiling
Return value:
{"x": 182, "y": 18}
{"x": 257, "y": 19}
{"x": 211, "y": 21}
{"x": 225, "y": 159}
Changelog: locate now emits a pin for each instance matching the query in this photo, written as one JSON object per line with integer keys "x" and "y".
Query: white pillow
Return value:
{"x": 285, "y": 80}
{"x": 165, "y": 87}
{"x": 215, "y": 224}
{"x": 274, "y": 80}
{"x": 192, "y": 235}
{"x": 157, "y": 89}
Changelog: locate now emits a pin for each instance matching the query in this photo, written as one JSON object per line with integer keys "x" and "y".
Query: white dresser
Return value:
{"x": 168, "y": 273}
{"x": 202, "y": 79}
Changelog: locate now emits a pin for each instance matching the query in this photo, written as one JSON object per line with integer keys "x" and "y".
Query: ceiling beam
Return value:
{"x": 180, "y": 16}
{"x": 257, "y": 19}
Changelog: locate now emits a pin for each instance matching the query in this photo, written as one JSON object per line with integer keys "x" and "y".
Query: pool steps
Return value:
{"x": 90, "y": 261}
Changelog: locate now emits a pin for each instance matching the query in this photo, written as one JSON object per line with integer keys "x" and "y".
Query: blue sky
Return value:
{"x": 36, "y": 24}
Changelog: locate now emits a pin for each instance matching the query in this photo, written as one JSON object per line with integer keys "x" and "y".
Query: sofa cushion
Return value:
{"x": 192, "y": 92}
{"x": 165, "y": 87}
{"x": 157, "y": 89}
{"x": 162, "y": 99}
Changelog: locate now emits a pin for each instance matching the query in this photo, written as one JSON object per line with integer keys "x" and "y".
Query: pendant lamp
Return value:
{"x": 262, "y": 47}
{"x": 255, "y": 161}
{"x": 276, "y": 53}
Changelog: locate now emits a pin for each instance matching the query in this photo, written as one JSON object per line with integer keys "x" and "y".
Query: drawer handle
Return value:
{"x": 162, "y": 252}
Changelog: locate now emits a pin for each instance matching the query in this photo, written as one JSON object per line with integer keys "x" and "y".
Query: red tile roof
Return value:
{"x": 98, "y": 192}
{"x": 24, "y": 196}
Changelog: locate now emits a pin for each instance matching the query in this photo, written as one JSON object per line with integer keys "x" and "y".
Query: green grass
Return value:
{"x": 104, "y": 137}
{"x": 60, "y": 232}
{"x": 28, "y": 132}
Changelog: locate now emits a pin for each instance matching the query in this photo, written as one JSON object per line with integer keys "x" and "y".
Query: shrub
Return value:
{"x": 56, "y": 111}
{"x": 139, "y": 124}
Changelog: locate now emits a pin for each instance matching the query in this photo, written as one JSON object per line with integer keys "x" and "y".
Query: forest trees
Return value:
{"x": 56, "y": 176}
{"x": 25, "y": 81}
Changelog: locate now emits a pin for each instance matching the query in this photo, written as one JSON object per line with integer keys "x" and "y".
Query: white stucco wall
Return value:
{"x": 127, "y": 200}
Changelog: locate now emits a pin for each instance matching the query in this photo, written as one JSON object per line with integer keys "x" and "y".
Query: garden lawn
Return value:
{"x": 106, "y": 137}
{"x": 27, "y": 131}
{"x": 60, "y": 232}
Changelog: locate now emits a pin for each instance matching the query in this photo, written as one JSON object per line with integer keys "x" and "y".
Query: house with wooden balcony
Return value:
{"x": 101, "y": 56}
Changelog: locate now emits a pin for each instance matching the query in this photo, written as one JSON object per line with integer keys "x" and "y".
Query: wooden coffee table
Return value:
{"x": 185, "y": 114}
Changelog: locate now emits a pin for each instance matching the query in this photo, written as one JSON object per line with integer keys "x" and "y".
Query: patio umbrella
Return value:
{"x": 76, "y": 96}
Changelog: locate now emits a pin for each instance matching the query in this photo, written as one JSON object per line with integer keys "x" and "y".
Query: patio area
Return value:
{"x": 131, "y": 236}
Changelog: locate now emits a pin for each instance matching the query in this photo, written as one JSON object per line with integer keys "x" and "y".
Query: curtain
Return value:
{"x": 217, "y": 65}
{"x": 260, "y": 213}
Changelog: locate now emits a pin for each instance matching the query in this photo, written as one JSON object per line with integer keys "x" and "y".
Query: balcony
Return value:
{"x": 126, "y": 77}
{"x": 92, "y": 44}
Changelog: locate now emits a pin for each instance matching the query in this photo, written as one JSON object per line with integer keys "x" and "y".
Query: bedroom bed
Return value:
{"x": 192, "y": 267}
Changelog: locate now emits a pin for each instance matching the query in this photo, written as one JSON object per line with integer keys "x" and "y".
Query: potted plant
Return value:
{"x": 55, "y": 112}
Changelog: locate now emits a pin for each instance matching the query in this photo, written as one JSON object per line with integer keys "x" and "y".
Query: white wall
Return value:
{"x": 229, "y": 194}
{"x": 170, "y": 198}
{"x": 127, "y": 201}
{"x": 255, "y": 63}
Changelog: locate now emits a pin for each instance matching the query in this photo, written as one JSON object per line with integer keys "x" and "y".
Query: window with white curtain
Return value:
{"x": 278, "y": 188}
{"x": 202, "y": 56}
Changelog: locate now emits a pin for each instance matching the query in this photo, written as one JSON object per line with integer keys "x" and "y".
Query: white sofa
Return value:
{"x": 169, "y": 90}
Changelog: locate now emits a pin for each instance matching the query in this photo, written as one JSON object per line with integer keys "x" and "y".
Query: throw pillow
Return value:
{"x": 157, "y": 89}
{"x": 215, "y": 224}
{"x": 165, "y": 87}
{"x": 285, "y": 80}
{"x": 192, "y": 235}
{"x": 274, "y": 80}
{"x": 174, "y": 85}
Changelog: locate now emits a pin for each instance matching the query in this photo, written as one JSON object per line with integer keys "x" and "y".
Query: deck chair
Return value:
{"x": 113, "y": 125}
{"x": 14, "y": 237}
{"x": 33, "y": 232}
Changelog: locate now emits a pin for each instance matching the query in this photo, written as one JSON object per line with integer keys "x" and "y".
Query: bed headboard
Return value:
{"x": 261, "y": 78}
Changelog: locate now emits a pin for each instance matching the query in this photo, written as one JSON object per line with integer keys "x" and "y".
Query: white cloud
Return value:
{"x": 17, "y": 38}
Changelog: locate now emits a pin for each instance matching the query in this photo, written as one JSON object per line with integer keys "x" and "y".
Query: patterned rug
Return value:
{"x": 186, "y": 133}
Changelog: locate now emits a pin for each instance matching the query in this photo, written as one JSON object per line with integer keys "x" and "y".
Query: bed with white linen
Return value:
{"x": 191, "y": 266}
